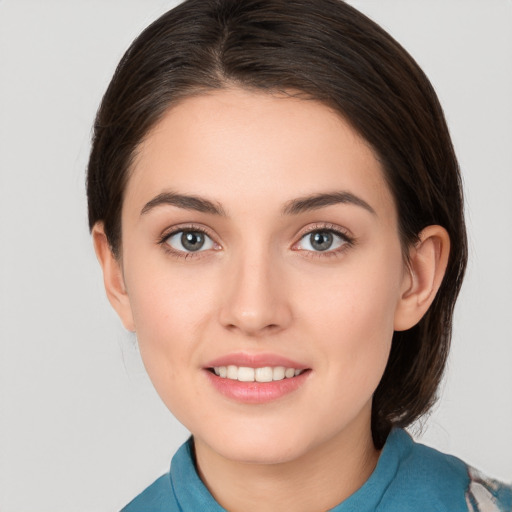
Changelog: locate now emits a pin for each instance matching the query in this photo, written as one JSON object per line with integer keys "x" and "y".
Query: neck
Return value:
{"x": 319, "y": 479}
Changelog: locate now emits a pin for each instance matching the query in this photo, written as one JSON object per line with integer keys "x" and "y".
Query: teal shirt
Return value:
{"x": 409, "y": 477}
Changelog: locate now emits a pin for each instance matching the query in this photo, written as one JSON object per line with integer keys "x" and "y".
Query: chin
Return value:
{"x": 262, "y": 453}
{"x": 255, "y": 446}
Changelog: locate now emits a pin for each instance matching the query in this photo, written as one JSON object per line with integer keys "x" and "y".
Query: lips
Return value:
{"x": 256, "y": 378}
{"x": 255, "y": 361}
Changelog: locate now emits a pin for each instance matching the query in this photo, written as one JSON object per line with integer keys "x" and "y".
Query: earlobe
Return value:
{"x": 112, "y": 277}
{"x": 427, "y": 265}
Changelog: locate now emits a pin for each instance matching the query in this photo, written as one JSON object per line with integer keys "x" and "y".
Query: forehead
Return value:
{"x": 234, "y": 144}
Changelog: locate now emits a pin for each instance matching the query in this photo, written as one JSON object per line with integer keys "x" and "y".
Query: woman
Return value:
{"x": 276, "y": 206}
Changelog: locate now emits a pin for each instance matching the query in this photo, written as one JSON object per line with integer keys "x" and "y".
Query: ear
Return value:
{"x": 427, "y": 265}
{"x": 112, "y": 277}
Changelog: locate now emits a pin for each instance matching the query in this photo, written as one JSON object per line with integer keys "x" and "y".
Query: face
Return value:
{"x": 263, "y": 272}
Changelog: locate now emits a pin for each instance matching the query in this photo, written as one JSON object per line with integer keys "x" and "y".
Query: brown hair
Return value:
{"x": 328, "y": 51}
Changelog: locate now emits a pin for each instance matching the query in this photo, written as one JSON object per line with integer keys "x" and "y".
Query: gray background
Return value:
{"x": 80, "y": 426}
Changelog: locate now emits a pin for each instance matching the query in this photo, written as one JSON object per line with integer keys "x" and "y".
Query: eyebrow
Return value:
{"x": 316, "y": 201}
{"x": 187, "y": 202}
{"x": 293, "y": 207}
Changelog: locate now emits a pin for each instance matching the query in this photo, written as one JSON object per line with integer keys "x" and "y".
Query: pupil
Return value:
{"x": 192, "y": 241}
{"x": 321, "y": 240}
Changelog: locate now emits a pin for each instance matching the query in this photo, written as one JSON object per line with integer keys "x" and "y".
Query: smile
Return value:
{"x": 263, "y": 374}
{"x": 256, "y": 378}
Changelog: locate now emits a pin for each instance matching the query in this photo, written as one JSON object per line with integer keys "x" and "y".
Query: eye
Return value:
{"x": 322, "y": 240}
{"x": 190, "y": 241}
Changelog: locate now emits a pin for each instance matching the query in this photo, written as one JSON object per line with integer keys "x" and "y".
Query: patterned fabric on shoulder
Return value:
{"x": 487, "y": 495}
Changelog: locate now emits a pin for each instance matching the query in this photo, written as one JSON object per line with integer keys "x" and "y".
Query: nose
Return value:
{"x": 255, "y": 300}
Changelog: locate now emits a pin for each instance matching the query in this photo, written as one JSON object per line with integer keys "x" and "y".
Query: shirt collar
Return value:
{"x": 192, "y": 494}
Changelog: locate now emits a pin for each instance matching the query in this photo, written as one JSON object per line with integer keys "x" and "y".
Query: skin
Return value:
{"x": 261, "y": 287}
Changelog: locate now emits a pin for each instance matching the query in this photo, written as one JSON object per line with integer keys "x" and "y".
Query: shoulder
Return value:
{"x": 158, "y": 497}
{"x": 425, "y": 475}
{"x": 485, "y": 494}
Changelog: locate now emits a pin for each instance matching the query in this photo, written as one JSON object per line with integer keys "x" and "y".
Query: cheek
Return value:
{"x": 166, "y": 296}
{"x": 361, "y": 295}
{"x": 351, "y": 314}
{"x": 170, "y": 307}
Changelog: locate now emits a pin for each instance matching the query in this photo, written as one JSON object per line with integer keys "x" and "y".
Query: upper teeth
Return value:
{"x": 265, "y": 374}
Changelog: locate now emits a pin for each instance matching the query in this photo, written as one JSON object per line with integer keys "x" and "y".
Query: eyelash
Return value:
{"x": 348, "y": 240}
{"x": 183, "y": 229}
